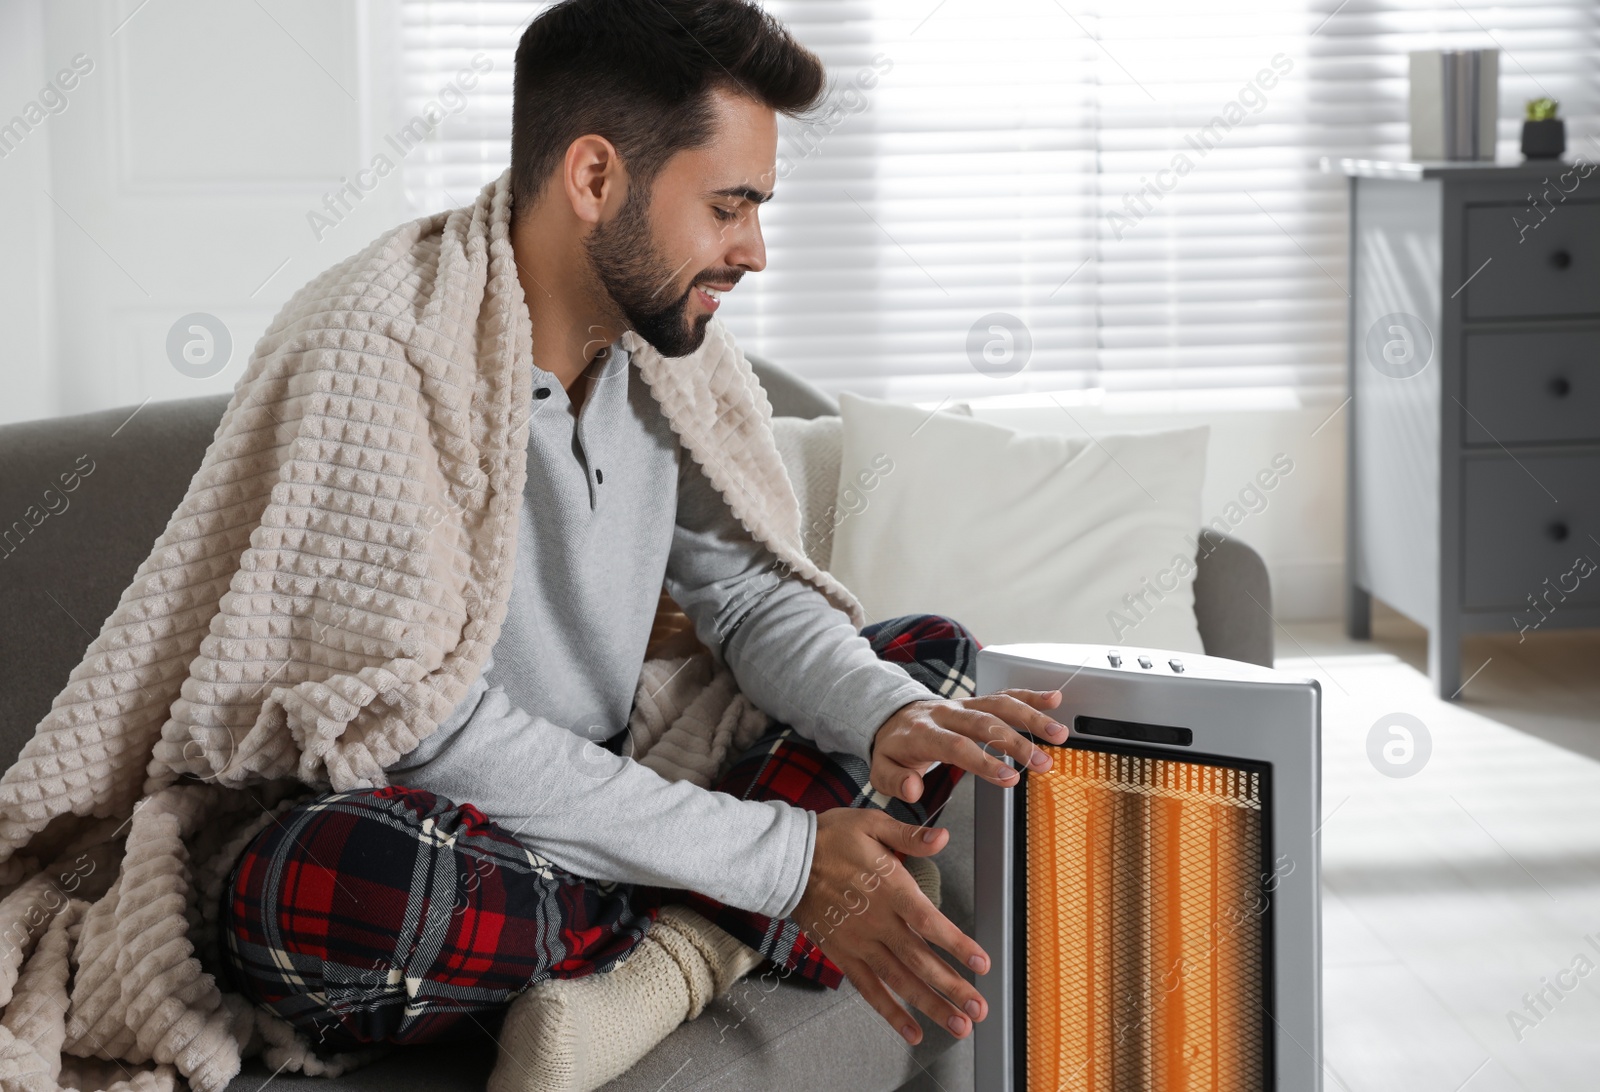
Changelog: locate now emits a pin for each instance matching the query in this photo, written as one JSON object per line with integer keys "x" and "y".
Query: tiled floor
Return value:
{"x": 1451, "y": 893}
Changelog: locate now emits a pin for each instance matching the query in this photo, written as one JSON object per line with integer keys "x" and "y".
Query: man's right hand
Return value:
{"x": 866, "y": 913}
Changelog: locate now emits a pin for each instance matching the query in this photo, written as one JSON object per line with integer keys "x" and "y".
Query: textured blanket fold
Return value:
{"x": 327, "y": 590}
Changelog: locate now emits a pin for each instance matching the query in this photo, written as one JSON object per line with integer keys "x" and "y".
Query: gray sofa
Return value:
{"x": 59, "y": 580}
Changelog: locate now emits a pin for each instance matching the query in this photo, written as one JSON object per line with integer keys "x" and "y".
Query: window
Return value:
{"x": 1014, "y": 195}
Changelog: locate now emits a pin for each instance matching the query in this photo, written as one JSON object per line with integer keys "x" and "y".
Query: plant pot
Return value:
{"x": 1544, "y": 139}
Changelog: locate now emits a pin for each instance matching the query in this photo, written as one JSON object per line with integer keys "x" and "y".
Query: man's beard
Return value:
{"x": 631, "y": 270}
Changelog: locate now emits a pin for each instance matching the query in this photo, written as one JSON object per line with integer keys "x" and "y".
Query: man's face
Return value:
{"x": 670, "y": 253}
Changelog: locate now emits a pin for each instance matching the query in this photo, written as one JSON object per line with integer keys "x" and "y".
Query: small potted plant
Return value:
{"x": 1544, "y": 136}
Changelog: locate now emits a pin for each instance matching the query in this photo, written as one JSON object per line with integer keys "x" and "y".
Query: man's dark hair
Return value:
{"x": 640, "y": 74}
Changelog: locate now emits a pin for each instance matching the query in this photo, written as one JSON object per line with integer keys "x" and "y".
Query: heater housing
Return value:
{"x": 1150, "y": 904}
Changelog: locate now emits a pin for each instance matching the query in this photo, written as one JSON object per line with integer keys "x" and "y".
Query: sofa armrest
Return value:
{"x": 1233, "y": 600}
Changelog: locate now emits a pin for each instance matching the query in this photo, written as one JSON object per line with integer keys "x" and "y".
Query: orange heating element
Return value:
{"x": 1146, "y": 950}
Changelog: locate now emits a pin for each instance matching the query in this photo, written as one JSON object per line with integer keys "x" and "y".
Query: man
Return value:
{"x": 644, "y": 139}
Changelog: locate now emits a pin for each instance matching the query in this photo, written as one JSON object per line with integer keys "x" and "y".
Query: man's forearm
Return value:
{"x": 799, "y": 659}
{"x": 604, "y": 817}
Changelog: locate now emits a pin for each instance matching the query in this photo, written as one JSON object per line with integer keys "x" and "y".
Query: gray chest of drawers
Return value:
{"x": 1474, "y": 421}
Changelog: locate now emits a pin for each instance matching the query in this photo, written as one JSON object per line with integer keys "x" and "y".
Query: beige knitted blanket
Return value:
{"x": 322, "y": 597}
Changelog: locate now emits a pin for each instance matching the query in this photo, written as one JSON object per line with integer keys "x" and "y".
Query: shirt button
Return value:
{"x": 542, "y": 393}
{"x": 599, "y": 476}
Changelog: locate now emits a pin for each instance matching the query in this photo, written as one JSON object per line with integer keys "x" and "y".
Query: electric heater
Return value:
{"x": 1150, "y": 903}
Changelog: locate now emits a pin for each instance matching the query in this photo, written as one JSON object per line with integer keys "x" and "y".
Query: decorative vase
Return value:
{"x": 1544, "y": 139}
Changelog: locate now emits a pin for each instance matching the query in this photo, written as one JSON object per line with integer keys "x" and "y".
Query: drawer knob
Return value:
{"x": 1561, "y": 259}
{"x": 1558, "y": 530}
{"x": 1560, "y": 386}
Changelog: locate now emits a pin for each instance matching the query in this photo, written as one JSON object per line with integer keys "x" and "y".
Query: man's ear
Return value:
{"x": 593, "y": 178}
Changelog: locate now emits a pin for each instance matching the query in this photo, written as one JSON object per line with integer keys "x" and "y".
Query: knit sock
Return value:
{"x": 575, "y": 1034}
{"x": 926, "y": 872}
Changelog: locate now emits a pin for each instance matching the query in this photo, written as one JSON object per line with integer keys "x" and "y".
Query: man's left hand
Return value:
{"x": 967, "y": 732}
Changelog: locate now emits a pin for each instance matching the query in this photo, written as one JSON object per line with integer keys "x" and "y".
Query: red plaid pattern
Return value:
{"x": 394, "y": 915}
{"x": 784, "y": 765}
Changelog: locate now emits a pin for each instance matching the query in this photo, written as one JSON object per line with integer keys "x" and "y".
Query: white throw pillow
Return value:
{"x": 1020, "y": 537}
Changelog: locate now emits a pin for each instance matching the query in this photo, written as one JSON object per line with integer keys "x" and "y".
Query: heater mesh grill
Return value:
{"x": 1151, "y": 974}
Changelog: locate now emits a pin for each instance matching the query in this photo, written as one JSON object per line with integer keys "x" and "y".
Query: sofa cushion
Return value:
{"x": 1022, "y": 537}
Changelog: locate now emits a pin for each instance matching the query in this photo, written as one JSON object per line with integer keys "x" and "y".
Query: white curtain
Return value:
{"x": 1015, "y": 195}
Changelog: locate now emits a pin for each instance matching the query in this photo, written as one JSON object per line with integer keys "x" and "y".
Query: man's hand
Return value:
{"x": 866, "y": 913}
{"x": 967, "y": 732}
{"x": 861, "y": 906}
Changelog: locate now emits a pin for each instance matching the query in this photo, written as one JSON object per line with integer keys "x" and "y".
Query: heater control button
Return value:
{"x": 1114, "y": 659}
{"x": 1144, "y": 662}
{"x": 1177, "y": 666}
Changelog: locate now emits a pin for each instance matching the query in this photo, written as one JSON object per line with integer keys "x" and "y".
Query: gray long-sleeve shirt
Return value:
{"x": 614, "y": 508}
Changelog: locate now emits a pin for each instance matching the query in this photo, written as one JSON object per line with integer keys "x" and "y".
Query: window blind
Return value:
{"x": 1030, "y": 195}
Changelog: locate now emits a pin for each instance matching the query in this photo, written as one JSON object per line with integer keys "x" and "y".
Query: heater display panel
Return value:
{"x": 1144, "y": 913}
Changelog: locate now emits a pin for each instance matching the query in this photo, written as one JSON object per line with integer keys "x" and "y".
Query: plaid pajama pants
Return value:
{"x": 394, "y": 915}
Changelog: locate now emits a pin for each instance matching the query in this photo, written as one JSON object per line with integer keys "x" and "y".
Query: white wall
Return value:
{"x": 180, "y": 174}
{"x": 178, "y": 179}
{"x": 27, "y": 373}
